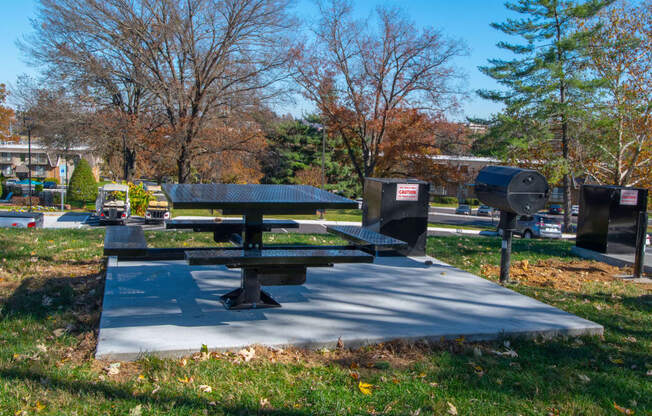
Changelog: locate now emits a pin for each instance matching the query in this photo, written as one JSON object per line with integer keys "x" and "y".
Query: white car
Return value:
{"x": 575, "y": 210}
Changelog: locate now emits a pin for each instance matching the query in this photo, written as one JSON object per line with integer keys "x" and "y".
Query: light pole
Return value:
{"x": 323, "y": 163}
{"x": 27, "y": 123}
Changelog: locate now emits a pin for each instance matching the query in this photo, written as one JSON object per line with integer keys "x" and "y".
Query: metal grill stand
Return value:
{"x": 508, "y": 225}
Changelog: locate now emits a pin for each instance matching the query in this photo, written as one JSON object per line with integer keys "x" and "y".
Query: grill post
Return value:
{"x": 641, "y": 231}
{"x": 508, "y": 225}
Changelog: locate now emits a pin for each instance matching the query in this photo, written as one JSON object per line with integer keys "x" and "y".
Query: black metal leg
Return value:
{"x": 249, "y": 295}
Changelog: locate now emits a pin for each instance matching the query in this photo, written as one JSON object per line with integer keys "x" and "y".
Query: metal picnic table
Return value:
{"x": 260, "y": 265}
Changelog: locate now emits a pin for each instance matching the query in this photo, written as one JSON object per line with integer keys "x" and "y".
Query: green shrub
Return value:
{"x": 472, "y": 201}
{"x": 82, "y": 186}
{"x": 444, "y": 200}
{"x": 139, "y": 198}
{"x": 38, "y": 188}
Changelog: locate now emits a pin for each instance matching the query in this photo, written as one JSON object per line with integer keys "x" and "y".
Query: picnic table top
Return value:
{"x": 267, "y": 199}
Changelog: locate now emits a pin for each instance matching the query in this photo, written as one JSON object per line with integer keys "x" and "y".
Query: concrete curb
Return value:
{"x": 605, "y": 258}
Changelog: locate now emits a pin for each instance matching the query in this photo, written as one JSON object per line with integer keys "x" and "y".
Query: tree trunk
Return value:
{"x": 182, "y": 165}
{"x": 567, "y": 178}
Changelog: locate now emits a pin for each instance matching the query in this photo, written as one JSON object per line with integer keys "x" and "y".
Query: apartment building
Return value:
{"x": 45, "y": 163}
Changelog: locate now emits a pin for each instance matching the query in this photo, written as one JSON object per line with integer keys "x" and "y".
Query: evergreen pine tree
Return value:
{"x": 545, "y": 83}
{"x": 82, "y": 186}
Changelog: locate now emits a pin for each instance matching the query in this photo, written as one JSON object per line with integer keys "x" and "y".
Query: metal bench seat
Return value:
{"x": 125, "y": 239}
{"x": 277, "y": 257}
{"x": 227, "y": 226}
{"x": 366, "y": 237}
{"x": 127, "y": 242}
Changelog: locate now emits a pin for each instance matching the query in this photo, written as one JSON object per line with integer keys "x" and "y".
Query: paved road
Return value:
{"x": 447, "y": 216}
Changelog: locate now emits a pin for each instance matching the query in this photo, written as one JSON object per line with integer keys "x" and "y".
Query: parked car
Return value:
{"x": 112, "y": 203}
{"x": 575, "y": 210}
{"x": 21, "y": 219}
{"x": 540, "y": 226}
{"x": 485, "y": 211}
{"x": 49, "y": 185}
{"x": 555, "y": 209}
{"x": 463, "y": 210}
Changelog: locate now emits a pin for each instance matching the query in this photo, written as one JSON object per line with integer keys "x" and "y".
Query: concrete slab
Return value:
{"x": 171, "y": 309}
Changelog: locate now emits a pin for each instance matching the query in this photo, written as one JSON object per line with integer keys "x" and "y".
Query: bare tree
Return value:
{"x": 59, "y": 118}
{"x": 196, "y": 59}
{"x": 361, "y": 79}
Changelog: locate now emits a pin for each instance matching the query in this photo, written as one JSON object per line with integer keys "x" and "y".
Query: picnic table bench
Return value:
{"x": 127, "y": 242}
{"x": 367, "y": 239}
{"x": 272, "y": 266}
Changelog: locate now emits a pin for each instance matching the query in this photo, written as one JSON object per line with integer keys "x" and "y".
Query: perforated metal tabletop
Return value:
{"x": 269, "y": 199}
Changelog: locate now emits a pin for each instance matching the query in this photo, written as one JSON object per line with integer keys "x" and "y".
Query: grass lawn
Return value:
{"x": 51, "y": 284}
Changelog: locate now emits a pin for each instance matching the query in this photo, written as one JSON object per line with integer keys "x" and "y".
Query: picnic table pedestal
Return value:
{"x": 250, "y": 294}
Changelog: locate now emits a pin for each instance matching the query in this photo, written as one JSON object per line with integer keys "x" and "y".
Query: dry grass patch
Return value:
{"x": 570, "y": 276}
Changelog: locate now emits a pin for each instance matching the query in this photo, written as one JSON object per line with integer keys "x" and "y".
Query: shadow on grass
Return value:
{"x": 113, "y": 392}
{"x": 38, "y": 298}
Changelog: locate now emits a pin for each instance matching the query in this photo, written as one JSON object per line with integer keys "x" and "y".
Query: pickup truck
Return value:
{"x": 13, "y": 219}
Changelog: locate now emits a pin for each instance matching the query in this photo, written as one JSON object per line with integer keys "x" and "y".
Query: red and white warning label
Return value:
{"x": 407, "y": 192}
{"x": 628, "y": 197}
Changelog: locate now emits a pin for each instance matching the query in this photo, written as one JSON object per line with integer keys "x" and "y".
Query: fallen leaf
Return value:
{"x": 41, "y": 348}
{"x": 630, "y": 339}
{"x": 156, "y": 389}
{"x": 365, "y": 388}
{"x": 205, "y": 388}
{"x": 340, "y": 343}
{"x": 355, "y": 375}
{"x": 183, "y": 380}
{"x": 353, "y": 365}
{"x": 623, "y": 410}
{"x": 39, "y": 406}
{"x": 584, "y": 378}
{"x": 649, "y": 373}
{"x": 264, "y": 402}
{"x": 112, "y": 369}
{"x": 136, "y": 411}
{"x": 58, "y": 332}
{"x": 141, "y": 377}
{"x": 183, "y": 362}
{"x": 247, "y": 354}
{"x": 452, "y": 410}
{"x": 616, "y": 360}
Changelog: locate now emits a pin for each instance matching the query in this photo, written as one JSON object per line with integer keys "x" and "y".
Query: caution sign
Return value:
{"x": 628, "y": 197}
{"x": 407, "y": 192}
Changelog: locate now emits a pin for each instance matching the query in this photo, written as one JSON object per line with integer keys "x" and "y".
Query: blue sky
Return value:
{"x": 464, "y": 19}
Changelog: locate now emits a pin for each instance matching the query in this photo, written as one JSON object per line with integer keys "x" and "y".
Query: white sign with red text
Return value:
{"x": 407, "y": 192}
{"x": 628, "y": 197}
